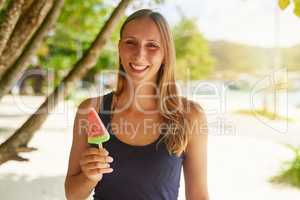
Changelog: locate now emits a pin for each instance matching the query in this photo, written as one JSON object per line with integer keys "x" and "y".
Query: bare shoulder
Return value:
{"x": 193, "y": 110}
{"x": 195, "y": 122}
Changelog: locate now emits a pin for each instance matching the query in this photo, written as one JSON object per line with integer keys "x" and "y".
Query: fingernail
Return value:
{"x": 109, "y": 159}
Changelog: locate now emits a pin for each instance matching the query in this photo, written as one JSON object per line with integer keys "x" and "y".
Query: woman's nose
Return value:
{"x": 140, "y": 52}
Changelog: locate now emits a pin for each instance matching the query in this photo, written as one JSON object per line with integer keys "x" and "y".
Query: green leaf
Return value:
{"x": 193, "y": 58}
{"x": 297, "y": 7}
{"x": 283, "y": 4}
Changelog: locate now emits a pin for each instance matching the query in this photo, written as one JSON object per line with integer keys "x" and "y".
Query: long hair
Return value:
{"x": 170, "y": 103}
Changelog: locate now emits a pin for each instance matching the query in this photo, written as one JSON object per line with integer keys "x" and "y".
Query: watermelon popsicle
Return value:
{"x": 97, "y": 133}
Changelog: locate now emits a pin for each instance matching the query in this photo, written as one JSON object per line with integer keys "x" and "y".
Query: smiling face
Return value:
{"x": 140, "y": 49}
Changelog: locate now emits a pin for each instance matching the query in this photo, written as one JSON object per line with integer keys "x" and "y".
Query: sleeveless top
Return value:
{"x": 146, "y": 172}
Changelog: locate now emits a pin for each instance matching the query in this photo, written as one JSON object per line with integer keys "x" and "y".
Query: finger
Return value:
{"x": 95, "y": 165}
{"x": 93, "y": 173}
{"x": 95, "y": 151}
{"x": 91, "y": 151}
{"x": 92, "y": 159}
{"x": 105, "y": 170}
{"x": 99, "y": 171}
{"x": 96, "y": 158}
{"x": 103, "y": 151}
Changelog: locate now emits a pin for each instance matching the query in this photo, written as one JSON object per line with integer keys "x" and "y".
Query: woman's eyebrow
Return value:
{"x": 149, "y": 40}
{"x": 153, "y": 40}
{"x": 129, "y": 37}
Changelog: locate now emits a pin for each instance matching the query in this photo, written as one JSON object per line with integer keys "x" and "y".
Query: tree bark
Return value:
{"x": 2, "y": 4}
{"x": 24, "y": 134}
{"x": 25, "y": 28}
{"x": 8, "y": 24}
{"x": 15, "y": 72}
{"x": 27, "y": 5}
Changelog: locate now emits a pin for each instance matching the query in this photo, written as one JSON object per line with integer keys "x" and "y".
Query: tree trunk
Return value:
{"x": 15, "y": 72}
{"x": 8, "y": 24}
{"x": 19, "y": 140}
{"x": 2, "y": 4}
{"x": 27, "y": 5}
{"x": 25, "y": 28}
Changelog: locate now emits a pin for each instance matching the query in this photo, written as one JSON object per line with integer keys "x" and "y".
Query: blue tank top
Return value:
{"x": 140, "y": 172}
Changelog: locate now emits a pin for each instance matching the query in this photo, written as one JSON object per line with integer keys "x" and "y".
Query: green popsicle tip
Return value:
{"x": 98, "y": 139}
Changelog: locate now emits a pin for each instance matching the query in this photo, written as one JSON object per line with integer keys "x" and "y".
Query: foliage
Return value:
{"x": 290, "y": 173}
{"x": 283, "y": 4}
{"x": 76, "y": 28}
{"x": 193, "y": 59}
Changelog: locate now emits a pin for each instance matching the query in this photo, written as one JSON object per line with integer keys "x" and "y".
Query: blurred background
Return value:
{"x": 240, "y": 59}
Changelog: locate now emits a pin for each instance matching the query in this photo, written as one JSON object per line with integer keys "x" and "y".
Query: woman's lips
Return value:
{"x": 138, "y": 68}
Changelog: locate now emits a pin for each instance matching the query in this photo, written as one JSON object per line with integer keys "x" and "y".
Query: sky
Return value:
{"x": 251, "y": 22}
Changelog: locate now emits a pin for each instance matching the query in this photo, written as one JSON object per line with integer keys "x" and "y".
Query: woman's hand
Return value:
{"x": 94, "y": 163}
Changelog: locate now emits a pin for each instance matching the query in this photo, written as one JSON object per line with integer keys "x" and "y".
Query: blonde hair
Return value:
{"x": 170, "y": 103}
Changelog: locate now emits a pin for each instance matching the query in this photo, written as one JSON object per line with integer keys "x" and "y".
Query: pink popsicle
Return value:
{"x": 97, "y": 133}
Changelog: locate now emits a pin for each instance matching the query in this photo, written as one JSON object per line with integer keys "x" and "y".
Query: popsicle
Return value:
{"x": 97, "y": 133}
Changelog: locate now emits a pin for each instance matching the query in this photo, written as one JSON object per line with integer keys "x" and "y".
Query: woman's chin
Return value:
{"x": 138, "y": 79}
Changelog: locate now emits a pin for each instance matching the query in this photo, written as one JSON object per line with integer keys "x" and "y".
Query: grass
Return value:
{"x": 264, "y": 113}
{"x": 290, "y": 172}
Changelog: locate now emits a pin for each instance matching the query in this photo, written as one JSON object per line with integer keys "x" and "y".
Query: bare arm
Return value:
{"x": 80, "y": 183}
{"x": 195, "y": 163}
{"x": 77, "y": 186}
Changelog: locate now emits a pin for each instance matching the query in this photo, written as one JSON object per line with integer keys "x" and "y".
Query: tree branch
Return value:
{"x": 25, "y": 149}
{"x": 14, "y": 72}
{"x": 24, "y": 29}
{"x": 19, "y": 158}
{"x": 8, "y": 24}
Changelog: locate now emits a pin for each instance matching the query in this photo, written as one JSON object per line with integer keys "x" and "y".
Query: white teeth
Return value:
{"x": 138, "y": 67}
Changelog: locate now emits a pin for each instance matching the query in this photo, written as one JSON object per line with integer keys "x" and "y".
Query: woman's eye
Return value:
{"x": 130, "y": 42}
{"x": 153, "y": 46}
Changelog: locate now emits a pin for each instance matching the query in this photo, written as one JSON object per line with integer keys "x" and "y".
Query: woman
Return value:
{"x": 154, "y": 132}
